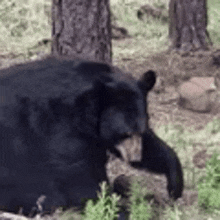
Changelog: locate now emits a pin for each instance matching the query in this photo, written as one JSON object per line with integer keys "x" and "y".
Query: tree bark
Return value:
{"x": 188, "y": 24}
{"x": 82, "y": 29}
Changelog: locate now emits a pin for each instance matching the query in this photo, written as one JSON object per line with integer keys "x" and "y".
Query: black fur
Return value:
{"x": 158, "y": 157}
{"x": 58, "y": 117}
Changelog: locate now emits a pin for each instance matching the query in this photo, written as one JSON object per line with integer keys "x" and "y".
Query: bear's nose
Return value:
{"x": 138, "y": 128}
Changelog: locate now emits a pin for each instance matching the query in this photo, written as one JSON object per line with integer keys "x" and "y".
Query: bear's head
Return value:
{"x": 124, "y": 106}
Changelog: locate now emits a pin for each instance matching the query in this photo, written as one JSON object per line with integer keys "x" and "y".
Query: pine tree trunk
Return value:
{"x": 188, "y": 24}
{"x": 82, "y": 28}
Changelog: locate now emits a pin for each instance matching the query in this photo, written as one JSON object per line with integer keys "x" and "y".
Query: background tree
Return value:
{"x": 188, "y": 24}
{"x": 82, "y": 28}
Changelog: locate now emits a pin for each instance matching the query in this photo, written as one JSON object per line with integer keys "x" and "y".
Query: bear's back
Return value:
{"x": 52, "y": 77}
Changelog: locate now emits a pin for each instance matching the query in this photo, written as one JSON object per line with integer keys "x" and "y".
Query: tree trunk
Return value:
{"x": 188, "y": 24}
{"x": 82, "y": 29}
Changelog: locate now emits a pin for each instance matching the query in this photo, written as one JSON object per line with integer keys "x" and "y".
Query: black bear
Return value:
{"x": 58, "y": 118}
{"x": 158, "y": 157}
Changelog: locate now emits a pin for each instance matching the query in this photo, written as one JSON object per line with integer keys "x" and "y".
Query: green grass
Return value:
{"x": 214, "y": 20}
{"x": 22, "y": 24}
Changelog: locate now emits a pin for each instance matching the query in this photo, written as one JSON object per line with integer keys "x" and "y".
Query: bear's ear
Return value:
{"x": 147, "y": 81}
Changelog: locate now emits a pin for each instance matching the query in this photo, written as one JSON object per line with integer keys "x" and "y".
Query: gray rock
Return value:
{"x": 198, "y": 94}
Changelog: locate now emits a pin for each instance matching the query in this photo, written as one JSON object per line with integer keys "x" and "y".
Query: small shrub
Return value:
{"x": 105, "y": 208}
{"x": 209, "y": 188}
{"x": 140, "y": 209}
{"x": 172, "y": 213}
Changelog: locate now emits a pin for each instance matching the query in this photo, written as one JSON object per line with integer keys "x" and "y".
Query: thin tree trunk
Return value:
{"x": 82, "y": 28}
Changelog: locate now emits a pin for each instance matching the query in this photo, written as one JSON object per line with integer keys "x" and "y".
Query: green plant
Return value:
{"x": 214, "y": 126}
{"x": 209, "y": 187}
{"x": 172, "y": 213}
{"x": 105, "y": 208}
{"x": 139, "y": 208}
